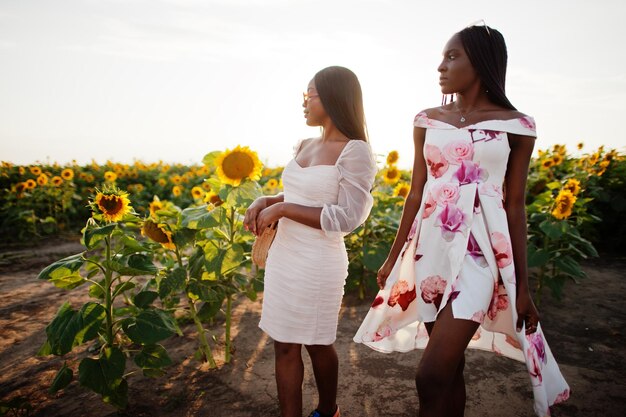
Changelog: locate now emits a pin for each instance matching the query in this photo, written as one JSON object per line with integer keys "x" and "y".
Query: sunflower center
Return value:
{"x": 111, "y": 204}
{"x": 238, "y": 165}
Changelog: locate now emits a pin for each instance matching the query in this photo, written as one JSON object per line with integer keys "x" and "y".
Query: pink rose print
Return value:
{"x": 432, "y": 289}
{"x": 377, "y": 301}
{"x": 512, "y": 341}
{"x": 501, "y": 249}
{"x": 534, "y": 367}
{"x": 478, "y": 316}
{"x": 538, "y": 346}
{"x": 562, "y": 397}
{"x": 457, "y": 151}
{"x": 422, "y": 120}
{"x": 384, "y": 330}
{"x": 481, "y": 135}
{"x": 492, "y": 190}
{"x": 417, "y": 257}
{"x": 475, "y": 252}
{"x": 429, "y": 206}
{"x": 437, "y": 164}
{"x": 470, "y": 172}
{"x": 445, "y": 193}
{"x": 400, "y": 294}
{"x": 499, "y": 302}
{"x": 412, "y": 231}
{"x": 528, "y": 123}
{"x": 452, "y": 221}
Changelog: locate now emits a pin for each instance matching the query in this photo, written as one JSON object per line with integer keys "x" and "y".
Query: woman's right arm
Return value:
{"x": 249, "y": 220}
{"x": 411, "y": 206}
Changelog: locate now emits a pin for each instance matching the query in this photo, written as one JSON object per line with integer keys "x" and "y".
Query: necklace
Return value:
{"x": 463, "y": 118}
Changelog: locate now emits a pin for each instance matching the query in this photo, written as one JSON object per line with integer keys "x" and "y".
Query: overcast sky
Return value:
{"x": 172, "y": 80}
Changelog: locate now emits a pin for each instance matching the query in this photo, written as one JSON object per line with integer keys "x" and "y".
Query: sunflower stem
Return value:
{"x": 108, "y": 301}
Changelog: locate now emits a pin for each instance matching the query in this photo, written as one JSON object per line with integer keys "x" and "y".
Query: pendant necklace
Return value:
{"x": 466, "y": 114}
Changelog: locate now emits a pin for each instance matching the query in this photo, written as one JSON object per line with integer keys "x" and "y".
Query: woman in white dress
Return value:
{"x": 326, "y": 196}
{"x": 456, "y": 274}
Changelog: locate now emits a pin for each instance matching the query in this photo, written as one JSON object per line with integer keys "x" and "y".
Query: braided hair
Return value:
{"x": 486, "y": 50}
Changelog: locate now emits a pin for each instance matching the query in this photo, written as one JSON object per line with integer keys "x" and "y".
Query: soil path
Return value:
{"x": 586, "y": 331}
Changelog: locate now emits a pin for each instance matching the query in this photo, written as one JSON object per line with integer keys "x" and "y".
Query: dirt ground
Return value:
{"x": 586, "y": 332}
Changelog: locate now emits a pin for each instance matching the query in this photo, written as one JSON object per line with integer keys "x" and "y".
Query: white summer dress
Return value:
{"x": 306, "y": 268}
{"x": 459, "y": 251}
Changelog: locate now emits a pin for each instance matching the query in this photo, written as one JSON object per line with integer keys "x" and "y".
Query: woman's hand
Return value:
{"x": 250, "y": 219}
{"x": 383, "y": 273}
{"x": 267, "y": 216}
{"x": 526, "y": 313}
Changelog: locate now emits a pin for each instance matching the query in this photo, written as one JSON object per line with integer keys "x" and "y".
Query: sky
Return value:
{"x": 172, "y": 80}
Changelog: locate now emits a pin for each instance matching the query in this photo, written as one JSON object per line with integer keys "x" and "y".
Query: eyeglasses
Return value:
{"x": 307, "y": 96}
{"x": 480, "y": 22}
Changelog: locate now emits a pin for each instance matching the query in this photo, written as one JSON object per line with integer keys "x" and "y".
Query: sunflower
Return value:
{"x": 557, "y": 158}
{"x": 176, "y": 179}
{"x": 573, "y": 185}
{"x": 206, "y": 186}
{"x": 35, "y": 170}
{"x": 402, "y": 189}
{"x": 155, "y": 205}
{"x": 547, "y": 163}
{"x": 392, "y": 157}
{"x": 272, "y": 183}
{"x": 177, "y": 190}
{"x": 580, "y": 145}
{"x": 42, "y": 179}
{"x": 19, "y": 188}
{"x": 138, "y": 187}
{"x": 603, "y": 166}
{"x": 162, "y": 182}
{"x": 234, "y": 166}
{"x": 212, "y": 199}
{"x": 113, "y": 204}
{"x": 563, "y": 204}
{"x": 30, "y": 184}
{"x": 56, "y": 181}
{"x": 391, "y": 175}
{"x": 197, "y": 192}
{"x": 110, "y": 176}
{"x": 67, "y": 174}
{"x": 158, "y": 233}
{"x": 21, "y": 170}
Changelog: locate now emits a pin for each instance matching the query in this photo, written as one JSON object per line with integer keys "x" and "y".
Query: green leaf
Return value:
{"x": 105, "y": 376}
{"x": 219, "y": 260}
{"x": 204, "y": 291}
{"x": 151, "y": 359}
{"x": 198, "y": 218}
{"x": 64, "y": 273}
{"x": 62, "y": 379}
{"x": 131, "y": 246}
{"x": 552, "y": 230}
{"x": 196, "y": 263}
{"x": 209, "y": 159}
{"x": 123, "y": 287}
{"x": 95, "y": 291}
{"x": 149, "y": 327}
{"x": 244, "y": 194}
{"x": 537, "y": 257}
{"x": 210, "y": 308}
{"x": 143, "y": 299}
{"x": 173, "y": 282}
{"x": 183, "y": 236}
{"x": 92, "y": 236}
{"x": 70, "y": 328}
{"x": 141, "y": 262}
{"x": 569, "y": 266}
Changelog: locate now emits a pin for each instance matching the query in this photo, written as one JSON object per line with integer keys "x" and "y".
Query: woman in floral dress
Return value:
{"x": 456, "y": 274}
{"x": 326, "y": 196}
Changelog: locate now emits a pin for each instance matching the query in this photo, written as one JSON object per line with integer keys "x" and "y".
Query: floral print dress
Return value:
{"x": 459, "y": 251}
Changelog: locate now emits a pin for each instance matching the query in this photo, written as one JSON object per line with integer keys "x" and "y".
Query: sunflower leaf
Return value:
{"x": 198, "y": 218}
{"x": 92, "y": 236}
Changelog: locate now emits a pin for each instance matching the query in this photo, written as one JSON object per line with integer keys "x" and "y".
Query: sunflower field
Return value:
{"x": 164, "y": 244}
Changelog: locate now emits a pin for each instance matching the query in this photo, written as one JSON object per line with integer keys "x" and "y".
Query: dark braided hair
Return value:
{"x": 486, "y": 50}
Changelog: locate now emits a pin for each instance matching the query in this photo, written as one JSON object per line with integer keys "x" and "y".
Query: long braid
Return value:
{"x": 487, "y": 52}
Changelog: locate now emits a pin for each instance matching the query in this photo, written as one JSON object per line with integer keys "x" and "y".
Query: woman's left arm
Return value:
{"x": 357, "y": 170}
{"x": 515, "y": 207}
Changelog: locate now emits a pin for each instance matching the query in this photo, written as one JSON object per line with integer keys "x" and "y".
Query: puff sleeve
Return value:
{"x": 357, "y": 170}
